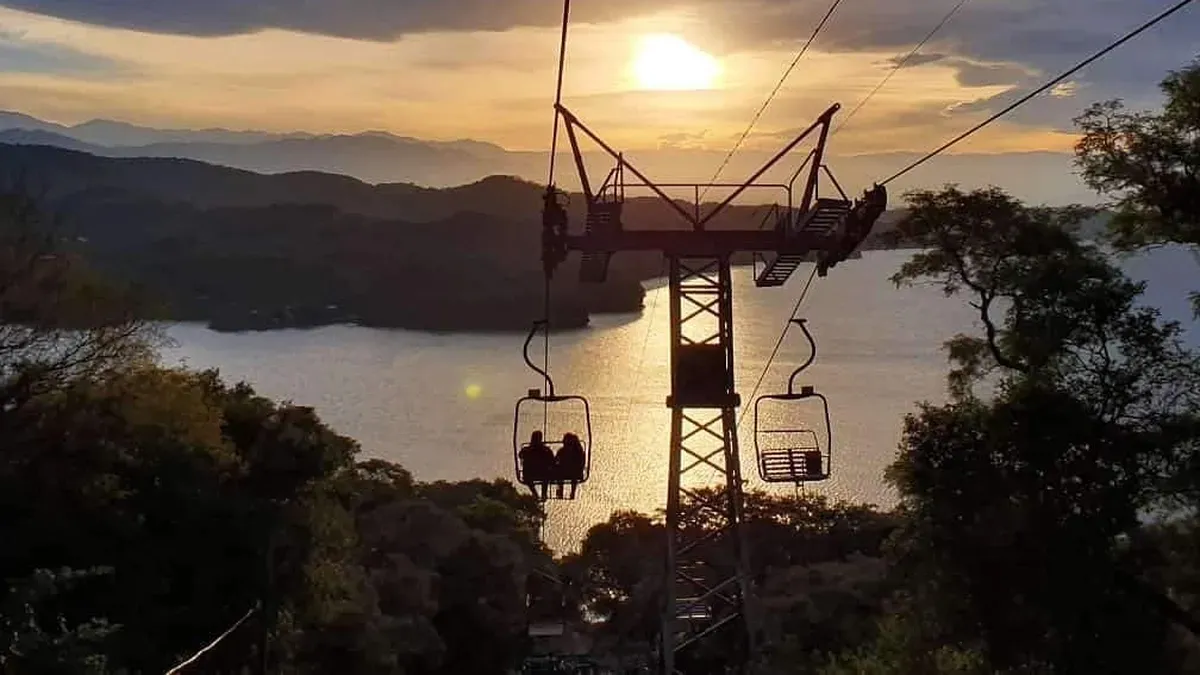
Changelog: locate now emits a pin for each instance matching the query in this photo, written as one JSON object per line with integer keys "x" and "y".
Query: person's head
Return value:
{"x": 535, "y": 437}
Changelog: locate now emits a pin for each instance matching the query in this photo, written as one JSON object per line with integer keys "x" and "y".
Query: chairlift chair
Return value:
{"x": 794, "y": 453}
{"x": 554, "y": 415}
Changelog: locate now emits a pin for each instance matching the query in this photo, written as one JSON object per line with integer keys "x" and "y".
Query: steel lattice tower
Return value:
{"x": 709, "y": 595}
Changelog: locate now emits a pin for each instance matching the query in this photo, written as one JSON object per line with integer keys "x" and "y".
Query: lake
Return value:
{"x": 442, "y": 405}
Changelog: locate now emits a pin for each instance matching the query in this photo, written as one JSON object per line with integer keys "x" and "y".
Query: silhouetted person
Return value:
{"x": 570, "y": 460}
{"x": 537, "y": 464}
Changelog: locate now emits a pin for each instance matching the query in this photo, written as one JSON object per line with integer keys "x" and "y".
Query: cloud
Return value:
{"x": 916, "y": 60}
{"x": 681, "y": 140}
{"x": 20, "y": 54}
{"x": 1015, "y": 43}
{"x": 361, "y": 19}
{"x": 1065, "y": 89}
{"x": 973, "y": 74}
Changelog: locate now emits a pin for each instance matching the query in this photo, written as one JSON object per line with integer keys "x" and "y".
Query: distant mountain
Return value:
{"x": 245, "y": 251}
{"x": 121, "y": 134}
{"x": 45, "y": 137}
{"x": 374, "y": 156}
{"x": 59, "y": 173}
{"x": 16, "y": 120}
{"x": 382, "y": 157}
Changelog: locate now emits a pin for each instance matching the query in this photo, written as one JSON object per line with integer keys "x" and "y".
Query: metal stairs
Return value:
{"x": 602, "y": 218}
{"x": 825, "y": 218}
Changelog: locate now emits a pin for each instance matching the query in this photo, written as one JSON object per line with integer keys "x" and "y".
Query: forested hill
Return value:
{"x": 243, "y": 250}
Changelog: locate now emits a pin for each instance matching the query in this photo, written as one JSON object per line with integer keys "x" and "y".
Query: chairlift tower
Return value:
{"x": 709, "y": 587}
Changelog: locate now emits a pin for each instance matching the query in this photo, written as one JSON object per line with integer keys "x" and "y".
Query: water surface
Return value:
{"x": 443, "y": 405}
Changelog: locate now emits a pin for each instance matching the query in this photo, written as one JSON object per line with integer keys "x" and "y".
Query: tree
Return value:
{"x": 1149, "y": 163}
{"x": 618, "y": 575}
{"x": 26, "y": 643}
{"x": 816, "y": 564}
{"x": 1073, "y": 413}
{"x": 450, "y": 593}
{"x": 58, "y": 320}
{"x": 901, "y": 648}
{"x": 187, "y": 490}
{"x": 204, "y": 499}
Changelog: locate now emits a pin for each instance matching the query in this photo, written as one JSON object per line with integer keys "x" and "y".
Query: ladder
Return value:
{"x": 824, "y": 219}
{"x": 603, "y": 218}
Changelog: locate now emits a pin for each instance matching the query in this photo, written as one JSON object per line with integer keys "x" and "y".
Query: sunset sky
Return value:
{"x": 484, "y": 69}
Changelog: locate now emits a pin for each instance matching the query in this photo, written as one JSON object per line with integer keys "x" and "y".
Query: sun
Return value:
{"x": 667, "y": 62}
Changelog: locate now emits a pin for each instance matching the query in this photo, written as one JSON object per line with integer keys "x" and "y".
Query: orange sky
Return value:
{"x": 494, "y": 86}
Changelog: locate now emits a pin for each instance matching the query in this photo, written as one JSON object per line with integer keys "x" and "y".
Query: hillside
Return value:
{"x": 243, "y": 250}
{"x": 246, "y": 251}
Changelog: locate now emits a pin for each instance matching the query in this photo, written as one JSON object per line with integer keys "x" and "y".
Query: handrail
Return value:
{"x": 620, "y": 186}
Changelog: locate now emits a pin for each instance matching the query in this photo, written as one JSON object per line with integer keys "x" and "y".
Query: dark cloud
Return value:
{"x": 1015, "y": 43}
{"x": 20, "y": 55}
{"x": 1043, "y": 33}
{"x": 362, "y": 19}
{"x": 990, "y": 28}
{"x": 916, "y": 60}
{"x": 973, "y": 74}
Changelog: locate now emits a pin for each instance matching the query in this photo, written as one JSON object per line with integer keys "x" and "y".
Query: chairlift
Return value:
{"x": 794, "y": 453}
{"x": 551, "y": 420}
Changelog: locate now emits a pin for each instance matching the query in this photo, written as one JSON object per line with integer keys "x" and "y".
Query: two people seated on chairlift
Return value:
{"x": 540, "y": 465}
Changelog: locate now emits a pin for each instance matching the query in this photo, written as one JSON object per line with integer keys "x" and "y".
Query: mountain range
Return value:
{"x": 374, "y": 156}
{"x": 382, "y": 157}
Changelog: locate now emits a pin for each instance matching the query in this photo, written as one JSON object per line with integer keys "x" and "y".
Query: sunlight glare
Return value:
{"x": 667, "y": 62}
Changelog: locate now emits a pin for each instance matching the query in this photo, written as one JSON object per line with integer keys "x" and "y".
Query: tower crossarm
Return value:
{"x": 825, "y": 230}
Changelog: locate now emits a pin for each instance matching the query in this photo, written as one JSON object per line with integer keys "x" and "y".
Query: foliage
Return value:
{"x": 817, "y": 566}
{"x": 902, "y": 648}
{"x": 57, "y": 319}
{"x": 1149, "y": 163}
{"x": 203, "y": 499}
{"x": 28, "y": 644}
{"x": 1017, "y": 506}
{"x": 189, "y": 489}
